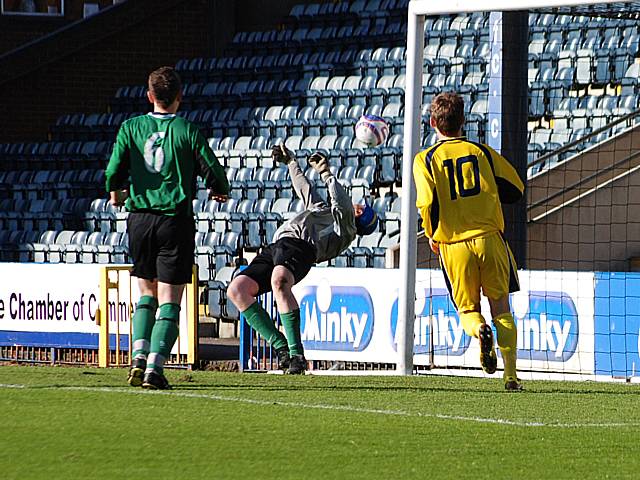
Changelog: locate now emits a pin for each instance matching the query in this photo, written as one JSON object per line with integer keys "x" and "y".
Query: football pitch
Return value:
{"x": 86, "y": 423}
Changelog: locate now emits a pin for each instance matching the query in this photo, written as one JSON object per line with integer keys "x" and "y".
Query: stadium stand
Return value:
{"x": 306, "y": 84}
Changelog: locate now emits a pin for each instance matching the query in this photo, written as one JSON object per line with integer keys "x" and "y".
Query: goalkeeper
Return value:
{"x": 460, "y": 186}
{"x": 155, "y": 162}
{"x": 320, "y": 232}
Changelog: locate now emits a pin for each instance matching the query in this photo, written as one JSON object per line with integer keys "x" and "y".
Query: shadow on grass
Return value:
{"x": 491, "y": 388}
{"x": 330, "y": 388}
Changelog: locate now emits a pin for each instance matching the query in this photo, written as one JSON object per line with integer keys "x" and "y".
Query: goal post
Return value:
{"x": 417, "y": 12}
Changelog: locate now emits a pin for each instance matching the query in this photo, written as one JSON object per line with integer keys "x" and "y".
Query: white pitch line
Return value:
{"x": 342, "y": 408}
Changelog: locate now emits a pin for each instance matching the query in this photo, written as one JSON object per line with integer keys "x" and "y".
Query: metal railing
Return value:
{"x": 542, "y": 160}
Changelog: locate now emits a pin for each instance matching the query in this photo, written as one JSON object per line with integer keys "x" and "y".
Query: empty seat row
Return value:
{"x": 68, "y": 246}
{"x": 585, "y": 66}
{"x": 52, "y": 184}
{"x": 316, "y": 11}
{"x": 369, "y": 252}
{"x": 67, "y": 205}
{"x": 85, "y": 127}
{"x": 568, "y": 21}
{"x": 594, "y": 118}
{"x": 299, "y": 144}
{"x": 57, "y": 155}
{"x": 557, "y": 38}
{"x": 359, "y": 32}
{"x": 256, "y": 66}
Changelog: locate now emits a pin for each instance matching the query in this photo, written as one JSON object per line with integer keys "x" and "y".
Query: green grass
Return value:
{"x": 85, "y": 423}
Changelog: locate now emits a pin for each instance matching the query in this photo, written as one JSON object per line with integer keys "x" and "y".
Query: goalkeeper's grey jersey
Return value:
{"x": 329, "y": 228}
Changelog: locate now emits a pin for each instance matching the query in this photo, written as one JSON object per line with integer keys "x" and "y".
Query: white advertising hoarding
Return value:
{"x": 55, "y": 305}
{"x": 351, "y": 315}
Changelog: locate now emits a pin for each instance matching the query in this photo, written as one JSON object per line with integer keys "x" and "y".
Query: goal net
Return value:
{"x": 554, "y": 87}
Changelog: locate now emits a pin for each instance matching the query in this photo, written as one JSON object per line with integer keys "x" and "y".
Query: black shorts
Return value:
{"x": 161, "y": 246}
{"x": 297, "y": 255}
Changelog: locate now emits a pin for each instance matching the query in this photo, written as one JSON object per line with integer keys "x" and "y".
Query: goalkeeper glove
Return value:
{"x": 282, "y": 154}
{"x": 320, "y": 164}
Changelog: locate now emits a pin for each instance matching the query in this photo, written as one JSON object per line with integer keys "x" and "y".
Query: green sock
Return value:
{"x": 258, "y": 319}
{"x": 164, "y": 335}
{"x": 143, "y": 320}
{"x": 291, "y": 322}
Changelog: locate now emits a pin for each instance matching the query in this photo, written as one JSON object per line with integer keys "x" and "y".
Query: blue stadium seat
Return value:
{"x": 255, "y": 224}
{"x": 298, "y": 125}
{"x": 603, "y": 71}
{"x": 559, "y": 89}
{"x": 630, "y": 39}
{"x": 216, "y": 293}
{"x": 274, "y": 218}
{"x": 331, "y": 125}
{"x": 362, "y": 95}
{"x": 541, "y": 136}
{"x": 344, "y": 260}
{"x": 316, "y": 88}
{"x": 567, "y": 59}
{"x": 206, "y": 260}
{"x": 352, "y": 156}
{"x": 282, "y": 124}
{"x": 537, "y": 100}
{"x": 599, "y": 117}
{"x": 344, "y": 95}
{"x": 379, "y": 252}
{"x": 55, "y": 251}
{"x": 316, "y": 125}
{"x": 622, "y": 61}
{"x": 72, "y": 251}
{"x": 360, "y": 186}
{"x": 362, "y": 257}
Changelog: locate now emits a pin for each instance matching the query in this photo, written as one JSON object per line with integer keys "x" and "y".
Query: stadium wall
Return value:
{"x": 583, "y": 214}
{"x": 18, "y": 29}
{"x": 79, "y": 68}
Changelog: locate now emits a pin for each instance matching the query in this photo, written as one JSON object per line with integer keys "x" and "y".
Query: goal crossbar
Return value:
{"x": 429, "y": 7}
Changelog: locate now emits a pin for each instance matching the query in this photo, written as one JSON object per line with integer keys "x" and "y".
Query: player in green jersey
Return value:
{"x": 154, "y": 165}
{"x": 461, "y": 186}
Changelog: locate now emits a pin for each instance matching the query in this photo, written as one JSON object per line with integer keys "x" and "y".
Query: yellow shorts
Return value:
{"x": 480, "y": 263}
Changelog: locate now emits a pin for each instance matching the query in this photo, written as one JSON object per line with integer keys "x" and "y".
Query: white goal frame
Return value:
{"x": 418, "y": 10}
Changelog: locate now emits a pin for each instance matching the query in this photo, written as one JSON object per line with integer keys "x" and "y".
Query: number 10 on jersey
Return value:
{"x": 455, "y": 173}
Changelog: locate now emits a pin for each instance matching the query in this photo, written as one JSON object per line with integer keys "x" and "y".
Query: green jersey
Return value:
{"x": 158, "y": 156}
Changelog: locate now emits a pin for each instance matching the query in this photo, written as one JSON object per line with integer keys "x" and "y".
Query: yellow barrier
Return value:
{"x": 110, "y": 281}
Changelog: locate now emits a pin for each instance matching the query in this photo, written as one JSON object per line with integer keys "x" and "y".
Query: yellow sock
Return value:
{"x": 507, "y": 342}
{"x": 471, "y": 322}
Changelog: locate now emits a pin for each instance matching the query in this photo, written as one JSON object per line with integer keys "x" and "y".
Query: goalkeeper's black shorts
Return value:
{"x": 296, "y": 255}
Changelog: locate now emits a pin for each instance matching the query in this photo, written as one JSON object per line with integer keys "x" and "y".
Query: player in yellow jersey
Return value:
{"x": 461, "y": 185}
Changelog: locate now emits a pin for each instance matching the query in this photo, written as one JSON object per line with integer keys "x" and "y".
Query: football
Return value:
{"x": 372, "y": 130}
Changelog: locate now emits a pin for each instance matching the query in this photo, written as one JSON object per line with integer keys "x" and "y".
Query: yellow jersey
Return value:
{"x": 460, "y": 186}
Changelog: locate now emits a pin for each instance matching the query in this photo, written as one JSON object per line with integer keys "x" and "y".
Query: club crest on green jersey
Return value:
{"x": 153, "y": 152}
